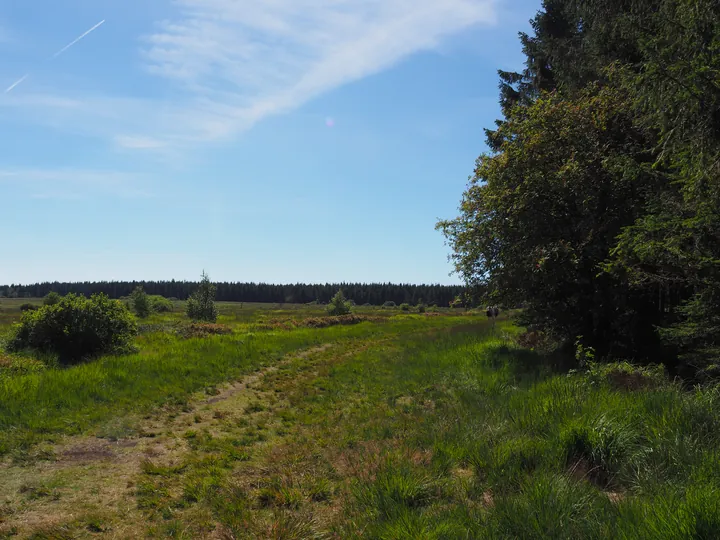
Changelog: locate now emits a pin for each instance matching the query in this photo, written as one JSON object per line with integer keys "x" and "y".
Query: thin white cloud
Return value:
{"x": 73, "y": 183}
{"x": 231, "y": 63}
{"x": 249, "y": 59}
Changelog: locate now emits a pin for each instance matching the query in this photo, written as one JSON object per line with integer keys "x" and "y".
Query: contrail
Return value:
{"x": 13, "y": 85}
{"x": 66, "y": 47}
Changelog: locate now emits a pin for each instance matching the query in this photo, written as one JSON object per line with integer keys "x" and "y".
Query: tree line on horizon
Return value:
{"x": 598, "y": 202}
{"x": 300, "y": 293}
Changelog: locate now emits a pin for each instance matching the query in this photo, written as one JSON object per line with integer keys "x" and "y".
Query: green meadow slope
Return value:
{"x": 400, "y": 426}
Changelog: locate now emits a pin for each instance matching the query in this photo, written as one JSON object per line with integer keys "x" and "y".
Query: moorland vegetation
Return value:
{"x": 592, "y": 412}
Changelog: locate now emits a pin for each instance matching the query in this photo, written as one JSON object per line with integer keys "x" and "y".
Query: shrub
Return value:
{"x": 389, "y": 304}
{"x": 28, "y": 307}
{"x": 140, "y": 302}
{"x": 421, "y": 308}
{"x": 51, "y": 299}
{"x": 201, "y": 304}
{"x": 626, "y": 376}
{"x": 76, "y": 328}
{"x": 584, "y": 355}
{"x": 160, "y": 304}
{"x": 338, "y": 305}
{"x": 405, "y": 307}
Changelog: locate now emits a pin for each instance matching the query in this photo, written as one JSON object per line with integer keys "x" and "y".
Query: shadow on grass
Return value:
{"x": 528, "y": 364}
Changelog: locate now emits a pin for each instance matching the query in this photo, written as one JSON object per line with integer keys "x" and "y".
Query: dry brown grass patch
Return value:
{"x": 201, "y": 330}
{"x": 630, "y": 381}
{"x": 88, "y": 452}
{"x": 534, "y": 340}
{"x": 319, "y": 322}
{"x": 324, "y": 322}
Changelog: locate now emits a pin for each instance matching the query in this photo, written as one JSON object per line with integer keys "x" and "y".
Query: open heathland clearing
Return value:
{"x": 268, "y": 424}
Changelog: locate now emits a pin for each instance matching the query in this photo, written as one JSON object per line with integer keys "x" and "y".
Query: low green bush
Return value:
{"x": 404, "y": 307}
{"x": 76, "y": 328}
{"x": 51, "y": 299}
{"x": 160, "y": 304}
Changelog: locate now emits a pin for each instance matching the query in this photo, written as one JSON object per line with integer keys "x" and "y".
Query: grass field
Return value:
{"x": 401, "y": 426}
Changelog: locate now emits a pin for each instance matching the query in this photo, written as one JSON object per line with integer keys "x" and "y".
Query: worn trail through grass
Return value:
{"x": 87, "y": 478}
{"x": 41, "y": 404}
{"x": 408, "y": 428}
{"x": 121, "y": 485}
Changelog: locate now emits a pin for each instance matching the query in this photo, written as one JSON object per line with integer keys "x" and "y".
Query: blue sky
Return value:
{"x": 277, "y": 141}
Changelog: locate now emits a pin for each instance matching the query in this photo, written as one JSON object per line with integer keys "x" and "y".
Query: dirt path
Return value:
{"x": 90, "y": 482}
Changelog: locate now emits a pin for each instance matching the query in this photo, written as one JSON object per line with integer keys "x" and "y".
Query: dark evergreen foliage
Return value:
{"x": 201, "y": 304}
{"x": 598, "y": 206}
{"x": 362, "y": 293}
{"x": 339, "y": 305}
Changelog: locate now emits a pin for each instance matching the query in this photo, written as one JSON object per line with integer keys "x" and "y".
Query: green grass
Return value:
{"x": 412, "y": 427}
{"x": 39, "y": 405}
{"x": 467, "y": 436}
